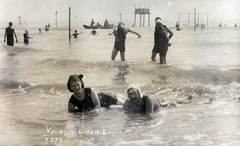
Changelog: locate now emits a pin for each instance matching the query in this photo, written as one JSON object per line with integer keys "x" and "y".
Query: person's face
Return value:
{"x": 159, "y": 25}
{"x": 76, "y": 86}
{"x": 121, "y": 25}
{"x": 133, "y": 94}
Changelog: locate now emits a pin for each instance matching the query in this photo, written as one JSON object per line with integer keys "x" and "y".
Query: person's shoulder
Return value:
{"x": 90, "y": 89}
{"x": 87, "y": 88}
{"x": 146, "y": 96}
{"x": 165, "y": 26}
{"x": 71, "y": 98}
{"x": 128, "y": 29}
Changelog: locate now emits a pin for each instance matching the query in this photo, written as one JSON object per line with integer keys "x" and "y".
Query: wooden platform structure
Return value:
{"x": 142, "y": 12}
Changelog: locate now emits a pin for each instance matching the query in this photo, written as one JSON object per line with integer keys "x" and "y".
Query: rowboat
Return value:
{"x": 110, "y": 26}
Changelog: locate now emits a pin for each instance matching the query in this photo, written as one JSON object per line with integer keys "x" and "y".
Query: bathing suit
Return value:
{"x": 106, "y": 99}
{"x": 157, "y": 104}
{"x": 25, "y": 36}
{"x": 86, "y": 104}
{"x": 75, "y": 35}
{"x": 121, "y": 35}
{"x": 10, "y": 39}
{"x": 161, "y": 41}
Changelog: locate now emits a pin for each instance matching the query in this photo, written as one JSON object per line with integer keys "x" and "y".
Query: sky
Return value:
{"x": 82, "y": 11}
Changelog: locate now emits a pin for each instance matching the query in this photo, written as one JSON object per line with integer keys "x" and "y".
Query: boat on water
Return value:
{"x": 98, "y": 27}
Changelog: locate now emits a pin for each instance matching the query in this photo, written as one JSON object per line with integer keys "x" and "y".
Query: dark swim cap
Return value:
{"x": 10, "y": 23}
{"x": 74, "y": 78}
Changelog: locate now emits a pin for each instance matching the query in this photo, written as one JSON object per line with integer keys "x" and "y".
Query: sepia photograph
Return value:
{"x": 120, "y": 73}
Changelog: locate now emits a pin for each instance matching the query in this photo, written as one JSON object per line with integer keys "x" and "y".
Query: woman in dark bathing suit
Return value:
{"x": 86, "y": 98}
{"x": 120, "y": 32}
{"x": 161, "y": 41}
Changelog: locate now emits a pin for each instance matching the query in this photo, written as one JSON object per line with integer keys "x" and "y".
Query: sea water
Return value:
{"x": 203, "y": 63}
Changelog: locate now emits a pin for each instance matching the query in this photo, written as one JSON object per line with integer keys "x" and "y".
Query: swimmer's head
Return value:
{"x": 74, "y": 78}
{"x": 10, "y": 23}
{"x": 26, "y": 31}
{"x": 121, "y": 23}
{"x": 75, "y": 30}
{"x": 133, "y": 92}
{"x": 158, "y": 20}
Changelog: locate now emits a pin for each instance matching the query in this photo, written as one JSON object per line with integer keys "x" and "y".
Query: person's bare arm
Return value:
{"x": 170, "y": 33}
{"x": 167, "y": 105}
{"x": 71, "y": 107}
{"x": 15, "y": 36}
{"x": 126, "y": 104}
{"x": 5, "y": 35}
{"x": 134, "y": 33}
{"x": 95, "y": 99}
{"x": 149, "y": 105}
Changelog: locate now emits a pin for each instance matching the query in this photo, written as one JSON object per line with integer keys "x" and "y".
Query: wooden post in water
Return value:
{"x": 120, "y": 17}
{"x": 207, "y": 19}
{"x": 198, "y": 20}
{"x": 194, "y": 19}
{"x": 19, "y": 20}
{"x": 179, "y": 19}
{"x": 135, "y": 15}
{"x": 56, "y": 18}
{"x": 69, "y": 24}
{"x": 188, "y": 19}
{"x": 144, "y": 15}
{"x": 149, "y": 16}
{"x": 140, "y": 17}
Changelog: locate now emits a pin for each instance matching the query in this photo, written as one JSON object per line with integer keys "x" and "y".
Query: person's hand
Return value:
{"x": 139, "y": 36}
{"x": 4, "y": 41}
{"x": 17, "y": 41}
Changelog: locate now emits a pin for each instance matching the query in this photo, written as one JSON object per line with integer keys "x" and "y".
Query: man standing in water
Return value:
{"x": 9, "y": 32}
{"x": 120, "y": 33}
{"x": 161, "y": 41}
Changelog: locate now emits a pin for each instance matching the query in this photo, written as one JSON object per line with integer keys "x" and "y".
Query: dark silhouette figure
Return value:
{"x": 9, "y": 32}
